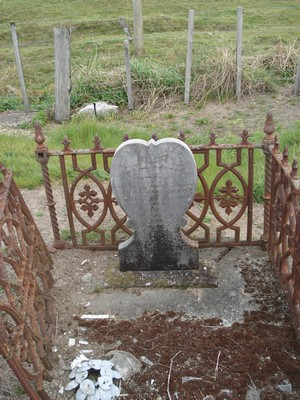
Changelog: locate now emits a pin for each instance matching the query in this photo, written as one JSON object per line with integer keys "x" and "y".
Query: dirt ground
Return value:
{"x": 195, "y": 358}
{"x": 182, "y": 357}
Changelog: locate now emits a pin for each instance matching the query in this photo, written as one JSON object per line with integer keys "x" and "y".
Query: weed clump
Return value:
{"x": 92, "y": 83}
{"x": 153, "y": 82}
{"x": 281, "y": 61}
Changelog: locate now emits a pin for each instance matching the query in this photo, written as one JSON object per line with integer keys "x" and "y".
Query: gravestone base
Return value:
{"x": 165, "y": 251}
{"x": 203, "y": 277}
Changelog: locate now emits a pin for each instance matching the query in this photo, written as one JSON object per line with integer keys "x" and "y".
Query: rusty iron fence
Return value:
{"x": 220, "y": 215}
{"x": 221, "y": 205}
{"x": 27, "y": 310}
{"x": 282, "y": 217}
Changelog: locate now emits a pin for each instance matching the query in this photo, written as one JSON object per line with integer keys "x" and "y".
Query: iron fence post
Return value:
{"x": 268, "y": 143}
{"x": 42, "y": 156}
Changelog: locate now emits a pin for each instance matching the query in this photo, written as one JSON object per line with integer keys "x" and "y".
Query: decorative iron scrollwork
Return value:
{"x": 66, "y": 142}
{"x": 245, "y": 136}
{"x": 89, "y": 200}
{"x": 278, "y": 214}
{"x": 228, "y": 199}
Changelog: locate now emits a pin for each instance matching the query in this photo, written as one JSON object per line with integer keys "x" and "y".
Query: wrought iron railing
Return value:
{"x": 283, "y": 220}
{"x": 220, "y": 215}
{"x": 27, "y": 311}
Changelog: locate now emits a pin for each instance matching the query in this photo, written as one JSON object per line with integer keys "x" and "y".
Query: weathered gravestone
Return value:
{"x": 154, "y": 183}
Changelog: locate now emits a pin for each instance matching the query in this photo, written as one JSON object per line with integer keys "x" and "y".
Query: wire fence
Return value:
{"x": 100, "y": 40}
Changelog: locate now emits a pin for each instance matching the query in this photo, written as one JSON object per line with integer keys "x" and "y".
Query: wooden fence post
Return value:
{"x": 239, "y": 53}
{"x": 128, "y": 74}
{"x": 297, "y": 80}
{"x": 188, "y": 68}
{"x": 126, "y": 29}
{"x": 19, "y": 66}
{"x": 138, "y": 27}
{"x": 62, "y": 74}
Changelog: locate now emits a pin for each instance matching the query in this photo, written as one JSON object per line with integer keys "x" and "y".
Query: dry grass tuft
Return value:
{"x": 218, "y": 80}
{"x": 154, "y": 84}
{"x": 9, "y": 84}
{"x": 280, "y": 59}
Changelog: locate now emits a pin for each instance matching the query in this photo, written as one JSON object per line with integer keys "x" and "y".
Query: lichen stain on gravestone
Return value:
{"x": 154, "y": 183}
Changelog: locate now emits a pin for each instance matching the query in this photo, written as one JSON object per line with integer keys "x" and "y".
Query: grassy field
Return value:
{"x": 271, "y": 46}
{"x": 271, "y": 43}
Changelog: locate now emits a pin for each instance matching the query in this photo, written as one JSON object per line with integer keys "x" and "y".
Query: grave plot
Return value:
{"x": 232, "y": 341}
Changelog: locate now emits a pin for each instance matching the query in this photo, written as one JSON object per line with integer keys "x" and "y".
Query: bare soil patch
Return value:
{"x": 209, "y": 358}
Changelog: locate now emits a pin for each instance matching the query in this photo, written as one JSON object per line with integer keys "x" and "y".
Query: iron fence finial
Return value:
{"x": 39, "y": 136}
{"x": 97, "y": 143}
{"x": 181, "y": 136}
{"x": 269, "y": 128}
{"x": 285, "y": 156}
{"x": 212, "y": 138}
{"x": 245, "y": 136}
{"x": 294, "y": 171}
{"x": 66, "y": 142}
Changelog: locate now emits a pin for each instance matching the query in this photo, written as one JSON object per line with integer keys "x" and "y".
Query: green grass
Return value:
{"x": 97, "y": 54}
{"x": 270, "y": 47}
{"x": 291, "y": 138}
{"x": 10, "y": 102}
{"x": 17, "y": 153}
{"x": 97, "y": 289}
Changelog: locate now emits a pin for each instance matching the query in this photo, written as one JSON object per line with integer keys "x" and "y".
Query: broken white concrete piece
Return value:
{"x": 72, "y": 342}
{"x": 83, "y": 342}
{"x": 96, "y": 316}
{"x": 78, "y": 360}
{"x": 125, "y": 363}
{"x": 99, "y": 108}
{"x": 286, "y": 387}
{"x": 146, "y": 360}
{"x": 186, "y": 379}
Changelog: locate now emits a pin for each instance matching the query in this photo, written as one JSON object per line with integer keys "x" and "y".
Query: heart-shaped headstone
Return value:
{"x": 154, "y": 183}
